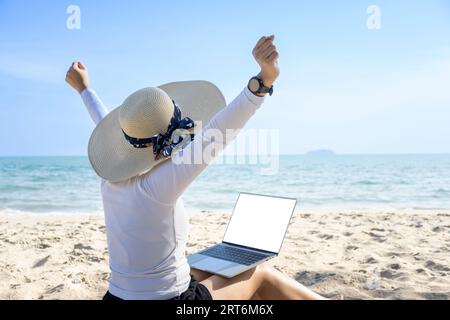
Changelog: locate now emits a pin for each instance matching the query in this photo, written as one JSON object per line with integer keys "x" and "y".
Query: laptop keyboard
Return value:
{"x": 234, "y": 254}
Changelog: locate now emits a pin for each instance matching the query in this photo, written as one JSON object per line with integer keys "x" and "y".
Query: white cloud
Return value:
{"x": 360, "y": 97}
{"x": 30, "y": 70}
{"x": 401, "y": 108}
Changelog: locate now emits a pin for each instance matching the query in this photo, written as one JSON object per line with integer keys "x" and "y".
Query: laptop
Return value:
{"x": 254, "y": 235}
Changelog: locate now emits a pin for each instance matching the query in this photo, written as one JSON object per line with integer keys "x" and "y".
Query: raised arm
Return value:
{"x": 169, "y": 180}
{"x": 78, "y": 78}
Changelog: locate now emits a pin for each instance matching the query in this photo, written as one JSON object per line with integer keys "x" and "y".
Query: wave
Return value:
{"x": 8, "y": 211}
{"x": 367, "y": 183}
{"x": 69, "y": 186}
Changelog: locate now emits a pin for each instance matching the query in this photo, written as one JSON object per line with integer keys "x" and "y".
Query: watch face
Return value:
{"x": 253, "y": 85}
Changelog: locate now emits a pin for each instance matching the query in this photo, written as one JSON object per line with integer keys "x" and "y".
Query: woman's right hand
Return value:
{"x": 78, "y": 77}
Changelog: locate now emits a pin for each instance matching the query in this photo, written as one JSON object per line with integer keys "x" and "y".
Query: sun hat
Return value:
{"x": 118, "y": 145}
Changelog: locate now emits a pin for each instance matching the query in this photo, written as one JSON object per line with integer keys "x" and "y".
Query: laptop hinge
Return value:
{"x": 250, "y": 248}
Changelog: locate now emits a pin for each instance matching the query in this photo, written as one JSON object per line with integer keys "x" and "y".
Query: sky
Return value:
{"x": 343, "y": 86}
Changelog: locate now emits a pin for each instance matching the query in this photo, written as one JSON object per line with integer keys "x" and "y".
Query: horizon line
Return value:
{"x": 246, "y": 155}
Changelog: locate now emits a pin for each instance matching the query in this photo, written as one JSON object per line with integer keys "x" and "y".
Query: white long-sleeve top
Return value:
{"x": 146, "y": 222}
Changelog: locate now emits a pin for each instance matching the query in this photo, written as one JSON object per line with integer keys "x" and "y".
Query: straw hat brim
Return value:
{"x": 115, "y": 159}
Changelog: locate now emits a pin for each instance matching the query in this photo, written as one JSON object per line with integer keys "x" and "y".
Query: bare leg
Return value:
{"x": 200, "y": 275}
{"x": 278, "y": 286}
{"x": 203, "y": 275}
{"x": 261, "y": 282}
{"x": 256, "y": 297}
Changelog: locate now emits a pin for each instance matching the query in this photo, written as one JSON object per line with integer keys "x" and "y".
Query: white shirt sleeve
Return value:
{"x": 94, "y": 105}
{"x": 166, "y": 182}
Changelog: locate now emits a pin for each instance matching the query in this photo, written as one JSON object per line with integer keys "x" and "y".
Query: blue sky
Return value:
{"x": 342, "y": 86}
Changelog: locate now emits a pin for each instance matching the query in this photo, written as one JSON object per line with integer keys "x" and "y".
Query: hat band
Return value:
{"x": 163, "y": 144}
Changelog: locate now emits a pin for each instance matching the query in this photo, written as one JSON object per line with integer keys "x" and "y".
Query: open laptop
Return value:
{"x": 254, "y": 235}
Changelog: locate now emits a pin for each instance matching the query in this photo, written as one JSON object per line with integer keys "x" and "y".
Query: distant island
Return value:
{"x": 321, "y": 153}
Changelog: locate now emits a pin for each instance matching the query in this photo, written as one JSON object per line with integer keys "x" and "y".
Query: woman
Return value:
{"x": 145, "y": 151}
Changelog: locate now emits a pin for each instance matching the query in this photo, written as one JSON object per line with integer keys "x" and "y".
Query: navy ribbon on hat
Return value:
{"x": 162, "y": 144}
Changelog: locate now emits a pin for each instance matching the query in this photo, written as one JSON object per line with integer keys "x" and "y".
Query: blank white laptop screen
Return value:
{"x": 260, "y": 221}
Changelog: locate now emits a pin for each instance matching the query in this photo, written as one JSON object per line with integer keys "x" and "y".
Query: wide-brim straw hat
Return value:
{"x": 144, "y": 114}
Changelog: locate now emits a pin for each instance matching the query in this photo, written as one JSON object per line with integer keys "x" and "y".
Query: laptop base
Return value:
{"x": 224, "y": 268}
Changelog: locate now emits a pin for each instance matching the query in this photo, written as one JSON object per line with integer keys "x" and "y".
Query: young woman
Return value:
{"x": 145, "y": 153}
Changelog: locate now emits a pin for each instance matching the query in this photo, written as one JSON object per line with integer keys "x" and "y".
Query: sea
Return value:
{"x": 69, "y": 185}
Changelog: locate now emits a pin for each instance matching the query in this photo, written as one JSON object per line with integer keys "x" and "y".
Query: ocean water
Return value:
{"x": 69, "y": 185}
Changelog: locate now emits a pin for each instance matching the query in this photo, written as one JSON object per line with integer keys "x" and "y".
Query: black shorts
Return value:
{"x": 196, "y": 291}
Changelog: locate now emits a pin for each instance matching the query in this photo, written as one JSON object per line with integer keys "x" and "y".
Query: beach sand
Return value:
{"x": 384, "y": 254}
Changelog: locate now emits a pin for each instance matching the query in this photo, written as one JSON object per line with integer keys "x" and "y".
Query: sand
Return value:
{"x": 384, "y": 254}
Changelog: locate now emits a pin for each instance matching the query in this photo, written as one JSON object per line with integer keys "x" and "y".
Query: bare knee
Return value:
{"x": 264, "y": 272}
{"x": 260, "y": 275}
{"x": 264, "y": 268}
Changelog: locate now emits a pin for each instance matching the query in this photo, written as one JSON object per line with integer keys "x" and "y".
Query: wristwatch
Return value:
{"x": 256, "y": 86}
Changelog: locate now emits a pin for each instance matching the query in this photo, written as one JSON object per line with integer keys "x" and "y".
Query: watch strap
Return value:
{"x": 262, "y": 88}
